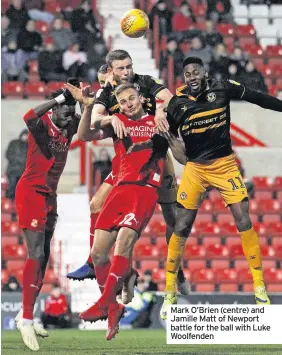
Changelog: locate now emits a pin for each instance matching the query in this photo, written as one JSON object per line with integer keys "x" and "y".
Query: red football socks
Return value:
{"x": 31, "y": 275}
{"x": 117, "y": 273}
{"x": 102, "y": 273}
{"x": 93, "y": 219}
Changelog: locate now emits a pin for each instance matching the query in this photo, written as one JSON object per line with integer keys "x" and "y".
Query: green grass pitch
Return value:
{"x": 134, "y": 342}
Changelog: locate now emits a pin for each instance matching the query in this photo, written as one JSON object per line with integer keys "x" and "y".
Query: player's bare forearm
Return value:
{"x": 164, "y": 95}
{"x": 45, "y": 107}
{"x": 137, "y": 147}
{"x": 176, "y": 146}
{"x": 263, "y": 100}
{"x": 102, "y": 121}
{"x": 85, "y": 133}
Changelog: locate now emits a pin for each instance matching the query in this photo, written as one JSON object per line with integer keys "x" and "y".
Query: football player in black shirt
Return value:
{"x": 200, "y": 112}
{"x": 120, "y": 70}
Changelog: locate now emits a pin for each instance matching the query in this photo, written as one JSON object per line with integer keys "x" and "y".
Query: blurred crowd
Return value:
{"x": 74, "y": 45}
{"x": 184, "y": 40}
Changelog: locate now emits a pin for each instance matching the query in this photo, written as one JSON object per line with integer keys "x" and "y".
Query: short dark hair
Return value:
{"x": 193, "y": 60}
{"x": 122, "y": 87}
{"x": 118, "y": 54}
{"x": 103, "y": 69}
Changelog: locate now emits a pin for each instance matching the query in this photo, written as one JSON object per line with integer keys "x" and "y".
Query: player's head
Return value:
{"x": 62, "y": 114}
{"x": 195, "y": 74}
{"x": 120, "y": 64}
{"x": 102, "y": 75}
{"x": 130, "y": 101}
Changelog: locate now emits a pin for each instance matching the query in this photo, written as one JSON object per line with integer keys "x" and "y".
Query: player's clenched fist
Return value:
{"x": 119, "y": 127}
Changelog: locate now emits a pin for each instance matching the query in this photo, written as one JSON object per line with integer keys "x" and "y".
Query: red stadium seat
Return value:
{"x": 12, "y": 88}
{"x": 163, "y": 251}
{"x": 206, "y": 207}
{"x": 261, "y": 229}
{"x": 14, "y": 252}
{"x": 207, "y": 241}
{"x": 13, "y": 265}
{"x": 228, "y": 287}
{"x": 278, "y": 252}
{"x": 267, "y": 252}
{"x": 273, "y": 276}
{"x": 229, "y": 229}
{"x": 276, "y": 69}
{"x": 204, "y": 287}
{"x": 223, "y": 218}
{"x": 276, "y": 241}
{"x": 279, "y": 196}
{"x": 10, "y": 228}
{"x": 219, "y": 264}
{"x": 266, "y": 70}
{"x": 246, "y": 42}
{"x": 255, "y": 51}
{"x": 18, "y": 273}
{"x": 275, "y": 61}
{"x": 146, "y": 252}
{"x": 278, "y": 183}
{"x": 270, "y": 206}
{"x": 11, "y": 240}
{"x": 54, "y": 86}
{"x": 4, "y": 183}
{"x": 274, "y": 227}
{"x": 279, "y": 82}
{"x": 268, "y": 264}
{"x": 217, "y": 251}
{"x": 34, "y": 89}
{"x": 203, "y": 218}
{"x": 253, "y": 206}
{"x": 149, "y": 264}
{"x": 229, "y": 241}
{"x": 272, "y": 218}
{"x": 50, "y": 277}
{"x": 219, "y": 206}
{"x": 268, "y": 81}
{"x": 229, "y": 42}
{"x": 159, "y": 275}
{"x": 157, "y": 225}
{"x": 241, "y": 264}
{"x": 7, "y": 205}
{"x": 236, "y": 252}
{"x": 225, "y": 29}
{"x": 274, "y": 287}
{"x": 263, "y": 195}
{"x": 257, "y": 62}
{"x": 41, "y": 27}
{"x": 192, "y": 241}
{"x": 4, "y": 276}
{"x": 203, "y": 276}
{"x": 6, "y": 217}
{"x": 245, "y": 276}
{"x": 247, "y": 287}
{"x": 211, "y": 229}
{"x": 196, "y": 264}
{"x": 146, "y": 240}
{"x": 226, "y": 276}
{"x": 194, "y": 252}
{"x": 245, "y": 31}
{"x": 53, "y": 8}
{"x": 274, "y": 51}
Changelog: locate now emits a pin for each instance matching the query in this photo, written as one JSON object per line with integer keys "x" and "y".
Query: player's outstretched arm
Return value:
{"x": 263, "y": 100}
{"x": 32, "y": 116}
{"x": 85, "y": 132}
{"x": 176, "y": 146}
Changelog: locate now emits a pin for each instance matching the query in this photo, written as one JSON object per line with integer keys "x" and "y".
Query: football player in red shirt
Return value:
{"x": 131, "y": 203}
{"x": 51, "y": 127}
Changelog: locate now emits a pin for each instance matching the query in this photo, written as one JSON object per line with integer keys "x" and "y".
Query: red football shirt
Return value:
{"x": 48, "y": 148}
{"x": 130, "y": 165}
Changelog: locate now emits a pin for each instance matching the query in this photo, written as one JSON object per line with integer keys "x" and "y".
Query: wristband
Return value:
{"x": 60, "y": 99}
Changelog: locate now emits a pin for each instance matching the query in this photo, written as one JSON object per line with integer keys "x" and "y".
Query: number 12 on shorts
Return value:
{"x": 234, "y": 185}
{"x": 128, "y": 218}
